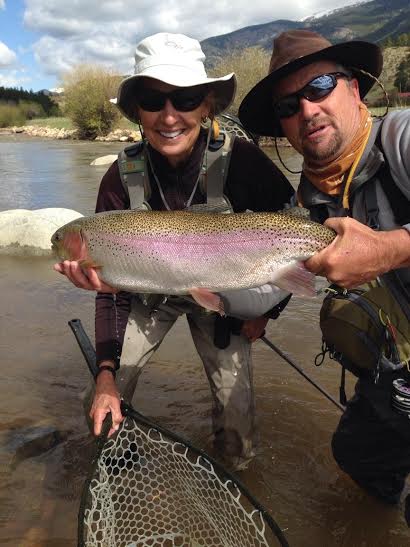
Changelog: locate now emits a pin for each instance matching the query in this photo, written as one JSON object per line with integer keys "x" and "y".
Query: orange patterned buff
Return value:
{"x": 330, "y": 178}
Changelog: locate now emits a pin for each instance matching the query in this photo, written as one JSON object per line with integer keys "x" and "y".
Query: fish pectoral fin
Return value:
{"x": 296, "y": 279}
{"x": 208, "y": 299}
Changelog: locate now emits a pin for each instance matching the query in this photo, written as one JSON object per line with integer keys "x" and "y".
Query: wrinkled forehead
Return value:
{"x": 299, "y": 78}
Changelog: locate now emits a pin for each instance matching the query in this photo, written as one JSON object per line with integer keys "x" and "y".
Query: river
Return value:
{"x": 43, "y": 374}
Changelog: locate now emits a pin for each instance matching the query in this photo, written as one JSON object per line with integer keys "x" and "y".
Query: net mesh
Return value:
{"x": 149, "y": 489}
{"x": 231, "y": 124}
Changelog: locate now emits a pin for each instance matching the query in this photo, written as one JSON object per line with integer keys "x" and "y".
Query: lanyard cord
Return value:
{"x": 345, "y": 200}
{"x": 202, "y": 168}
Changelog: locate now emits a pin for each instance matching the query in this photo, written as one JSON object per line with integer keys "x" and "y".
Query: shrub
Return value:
{"x": 11, "y": 114}
{"x": 88, "y": 90}
{"x": 250, "y": 66}
{"x": 31, "y": 110}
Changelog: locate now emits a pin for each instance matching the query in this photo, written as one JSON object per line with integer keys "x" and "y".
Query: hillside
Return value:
{"x": 374, "y": 21}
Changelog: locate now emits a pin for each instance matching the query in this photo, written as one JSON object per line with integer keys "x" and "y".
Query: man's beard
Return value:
{"x": 316, "y": 153}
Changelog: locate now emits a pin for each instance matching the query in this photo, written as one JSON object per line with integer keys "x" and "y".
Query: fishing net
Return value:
{"x": 148, "y": 487}
{"x": 231, "y": 124}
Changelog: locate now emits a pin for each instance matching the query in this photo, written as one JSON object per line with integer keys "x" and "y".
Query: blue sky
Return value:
{"x": 41, "y": 40}
{"x": 23, "y": 69}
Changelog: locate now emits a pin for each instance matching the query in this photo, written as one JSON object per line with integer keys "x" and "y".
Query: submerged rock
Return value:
{"x": 24, "y": 441}
{"x": 35, "y": 441}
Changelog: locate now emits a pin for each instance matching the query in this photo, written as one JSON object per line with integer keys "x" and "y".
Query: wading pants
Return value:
{"x": 372, "y": 441}
{"x": 229, "y": 370}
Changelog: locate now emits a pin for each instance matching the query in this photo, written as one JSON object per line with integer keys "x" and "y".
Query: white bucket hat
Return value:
{"x": 173, "y": 59}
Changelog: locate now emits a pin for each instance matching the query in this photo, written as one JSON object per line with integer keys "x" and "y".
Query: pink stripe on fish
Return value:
{"x": 214, "y": 244}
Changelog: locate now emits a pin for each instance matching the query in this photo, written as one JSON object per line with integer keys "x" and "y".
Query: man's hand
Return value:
{"x": 254, "y": 328}
{"x": 106, "y": 399}
{"x": 359, "y": 254}
{"x": 86, "y": 278}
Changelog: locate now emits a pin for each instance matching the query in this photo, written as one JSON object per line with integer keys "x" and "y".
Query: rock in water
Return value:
{"x": 26, "y": 232}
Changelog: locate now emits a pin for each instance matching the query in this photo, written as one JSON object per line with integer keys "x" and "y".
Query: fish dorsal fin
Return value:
{"x": 296, "y": 211}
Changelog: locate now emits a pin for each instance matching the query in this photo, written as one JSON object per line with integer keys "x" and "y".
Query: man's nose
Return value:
{"x": 308, "y": 109}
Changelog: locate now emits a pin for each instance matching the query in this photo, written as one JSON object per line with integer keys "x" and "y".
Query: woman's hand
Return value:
{"x": 86, "y": 278}
{"x": 106, "y": 399}
{"x": 254, "y": 328}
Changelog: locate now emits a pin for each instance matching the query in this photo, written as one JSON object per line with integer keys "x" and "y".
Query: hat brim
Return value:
{"x": 224, "y": 88}
{"x": 256, "y": 110}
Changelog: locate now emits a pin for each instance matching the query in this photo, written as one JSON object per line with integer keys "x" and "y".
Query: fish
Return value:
{"x": 192, "y": 253}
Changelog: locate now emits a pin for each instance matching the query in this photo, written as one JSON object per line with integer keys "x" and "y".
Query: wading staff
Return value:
{"x": 296, "y": 367}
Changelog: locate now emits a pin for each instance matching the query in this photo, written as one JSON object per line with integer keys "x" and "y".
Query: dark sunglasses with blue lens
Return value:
{"x": 317, "y": 89}
{"x": 184, "y": 99}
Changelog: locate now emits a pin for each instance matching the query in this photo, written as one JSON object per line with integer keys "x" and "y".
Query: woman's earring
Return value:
{"x": 204, "y": 119}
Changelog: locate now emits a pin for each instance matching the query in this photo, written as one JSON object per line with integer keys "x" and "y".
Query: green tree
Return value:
{"x": 250, "y": 66}
{"x": 402, "y": 81}
{"x": 88, "y": 90}
{"x": 16, "y": 96}
{"x": 402, "y": 40}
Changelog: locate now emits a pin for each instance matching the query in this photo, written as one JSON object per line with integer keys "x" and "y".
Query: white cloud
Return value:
{"x": 106, "y": 31}
{"x": 14, "y": 78}
{"x": 2, "y": 4}
{"x": 7, "y": 56}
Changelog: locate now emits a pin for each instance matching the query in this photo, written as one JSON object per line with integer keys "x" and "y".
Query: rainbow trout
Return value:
{"x": 181, "y": 252}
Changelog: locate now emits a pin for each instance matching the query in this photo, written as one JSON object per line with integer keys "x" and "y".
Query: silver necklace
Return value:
{"x": 202, "y": 170}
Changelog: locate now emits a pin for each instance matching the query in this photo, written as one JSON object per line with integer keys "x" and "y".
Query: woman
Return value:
{"x": 170, "y": 96}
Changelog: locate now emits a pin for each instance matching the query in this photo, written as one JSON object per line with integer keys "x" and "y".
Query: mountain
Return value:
{"x": 374, "y": 21}
{"x": 255, "y": 35}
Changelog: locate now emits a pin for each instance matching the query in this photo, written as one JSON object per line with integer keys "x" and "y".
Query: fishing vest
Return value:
{"x": 377, "y": 201}
{"x": 133, "y": 166}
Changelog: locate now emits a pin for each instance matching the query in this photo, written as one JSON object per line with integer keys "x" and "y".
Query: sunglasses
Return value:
{"x": 315, "y": 90}
{"x": 184, "y": 100}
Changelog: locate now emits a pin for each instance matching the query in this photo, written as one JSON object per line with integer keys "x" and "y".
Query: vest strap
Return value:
{"x": 133, "y": 168}
{"x": 132, "y": 163}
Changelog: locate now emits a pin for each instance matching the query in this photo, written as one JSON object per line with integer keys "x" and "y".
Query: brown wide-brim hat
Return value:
{"x": 293, "y": 50}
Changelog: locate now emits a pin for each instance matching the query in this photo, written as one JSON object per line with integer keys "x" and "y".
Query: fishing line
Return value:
{"x": 302, "y": 372}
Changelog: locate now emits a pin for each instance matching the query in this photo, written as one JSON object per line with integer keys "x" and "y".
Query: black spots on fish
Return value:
{"x": 128, "y": 225}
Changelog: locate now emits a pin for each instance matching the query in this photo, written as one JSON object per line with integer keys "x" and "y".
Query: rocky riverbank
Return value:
{"x": 118, "y": 135}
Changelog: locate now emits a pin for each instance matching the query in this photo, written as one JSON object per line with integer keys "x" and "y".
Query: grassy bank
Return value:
{"x": 54, "y": 123}
{"x": 65, "y": 123}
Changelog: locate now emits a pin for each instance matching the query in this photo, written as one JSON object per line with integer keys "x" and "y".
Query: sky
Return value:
{"x": 40, "y": 40}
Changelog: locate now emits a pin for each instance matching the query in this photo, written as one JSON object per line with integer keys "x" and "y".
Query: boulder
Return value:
{"x": 28, "y": 232}
{"x": 104, "y": 160}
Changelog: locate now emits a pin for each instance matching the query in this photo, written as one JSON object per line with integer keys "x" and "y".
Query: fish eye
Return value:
{"x": 57, "y": 236}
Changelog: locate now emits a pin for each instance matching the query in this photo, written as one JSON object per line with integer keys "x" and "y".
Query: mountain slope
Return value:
{"x": 373, "y": 21}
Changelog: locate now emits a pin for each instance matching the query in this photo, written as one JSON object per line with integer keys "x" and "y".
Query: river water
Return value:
{"x": 294, "y": 475}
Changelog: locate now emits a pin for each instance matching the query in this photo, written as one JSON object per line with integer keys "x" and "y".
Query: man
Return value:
{"x": 313, "y": 95}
